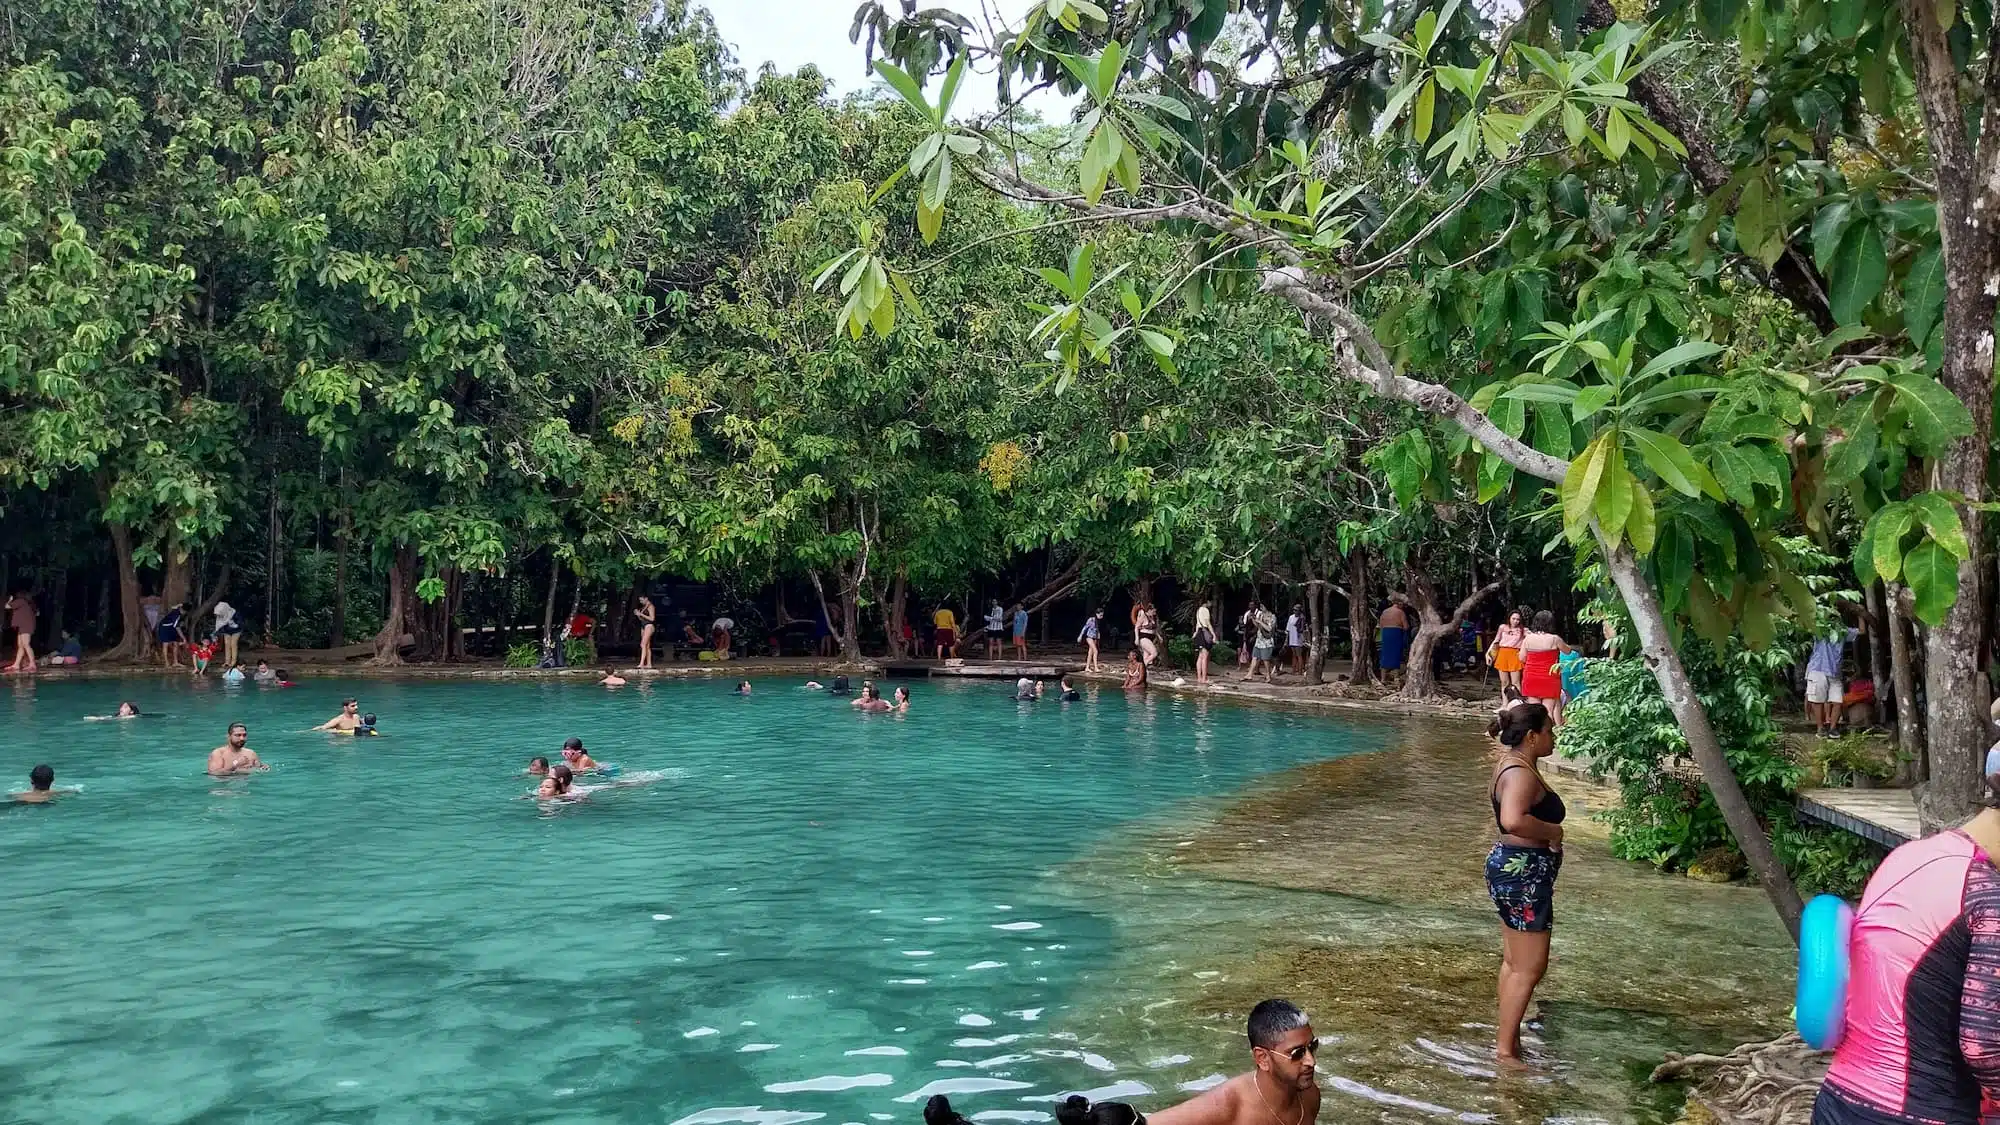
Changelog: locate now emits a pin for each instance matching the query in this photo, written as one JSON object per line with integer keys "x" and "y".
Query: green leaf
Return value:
{"x": 1394, "y": 107}
{"x": 1859, "y": 268}
{"x": 1737, "y": 469}
{"x": 1579, "y": 486}
{"x": 1923, "y": 295}
{"x": 1843, "y": 17}
{"x": 1864, "y": 558}
{"x": 925, "y": 152}
{"x": 952, "y": 77}
{"x": 1617, "y": 133}
{"x": 1098, "y": 157}
{"x": 1559, "y": 392}
{"x": 1642, "y": 525}
{"x": 1851, "y": 456}
{"x": 1669, "y": 460}
{"x": 1590, "y": 400}
{"x": 1829, "y": 224}
{"x": 1173, "y": 107}
{"x": 1552, "y": 432}
{"x": 1128, "y": 167}
{"x": 1613, "y": 504}
{"x": 1941, "y": 523}
{"x": 1420, "y": 125}
{"x": 1673, "y": 563}
{"x": 1885, "y": 534}
{"x": 1932, "y": 575}
{"x": 900, "y": 79}
{"x": 1675, "y": 356}
{"x": 1936, "y": 416}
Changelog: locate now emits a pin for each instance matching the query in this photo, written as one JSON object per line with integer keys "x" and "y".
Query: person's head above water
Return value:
{"x": 263, "y": 665}
{"x": 42, "y": 777}
{"x": 538, "y": 766}
{"x": 743, "y": 687}
{"x": 563, "y": 777}
{"x": 1526, "y": 729}
{"x": 1282, "y": 1043}
{"x": 572, "y": 746}
{"x": 902, "y": 695}
{"x": 368, "y": 720}
{"x": 127, "y": 709}
{"x": 238, "y": 735}
{"x": 349, "y": 706}
{"x": 839, "y": 685}
{"x": 1024, "y": 685}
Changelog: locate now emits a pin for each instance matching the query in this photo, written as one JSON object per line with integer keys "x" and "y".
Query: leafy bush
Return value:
{"x": 1180, "y": 652}
{"x": 527, "y": 654}
{"x": 1823, "y": 860}
{"x": 579, "y": 652}
{"x": 1839, "y": 761}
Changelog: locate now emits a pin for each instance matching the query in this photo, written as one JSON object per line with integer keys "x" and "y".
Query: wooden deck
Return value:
{"x": 1886, "y": 816}
{"x": 984, "y": 669}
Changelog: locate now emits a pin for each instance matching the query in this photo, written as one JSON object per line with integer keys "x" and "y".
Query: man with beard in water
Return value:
{"x": 1279, "y": 1090}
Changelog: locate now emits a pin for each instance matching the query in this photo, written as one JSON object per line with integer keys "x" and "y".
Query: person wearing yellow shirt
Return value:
{"x": 947, "y": 632}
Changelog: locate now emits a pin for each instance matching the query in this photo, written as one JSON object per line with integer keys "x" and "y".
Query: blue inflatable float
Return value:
{"x": 1824, "y": 930}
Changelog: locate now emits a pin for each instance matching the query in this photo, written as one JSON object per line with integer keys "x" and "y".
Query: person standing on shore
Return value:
{"x": 996, "y": 621}
{"x": 1263, "y": 649}
{"x": 648, "y": 619}
{"x": 1295, "y": 638}
{"x": 21, "y": 616}
{"x": 1504, "y": 654}
{"x": 1540, "y": 649}
{"x": 944, "y": 631}
{"x": 1204, "y": 640}
{"x": 1521, "y": 869}
{"x": 1394, "y": 625}
{"x": 1020, "y": 631}
{"x": 228, "y": 627}
{"x": 1093, "y": 629}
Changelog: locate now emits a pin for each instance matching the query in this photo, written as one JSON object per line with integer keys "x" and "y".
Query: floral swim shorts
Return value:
{"x": 1522, "y": 882}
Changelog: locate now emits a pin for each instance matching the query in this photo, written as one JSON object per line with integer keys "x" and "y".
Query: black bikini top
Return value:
{"x": 1548, "y": 808}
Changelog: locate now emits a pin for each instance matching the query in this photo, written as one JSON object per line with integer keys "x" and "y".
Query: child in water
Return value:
{"x": 367, "y": 727}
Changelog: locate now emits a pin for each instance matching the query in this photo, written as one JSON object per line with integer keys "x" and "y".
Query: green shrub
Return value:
{"x": 527, "y": 654}
{"x": 1839, "y": 761}
{"x": 579, "y": 652}
{"x": 1180, "y": 652}
{"x": 1824, "y": 860}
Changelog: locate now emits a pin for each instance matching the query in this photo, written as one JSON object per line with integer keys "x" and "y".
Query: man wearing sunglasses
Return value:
{"x": 1281, "y": 1090}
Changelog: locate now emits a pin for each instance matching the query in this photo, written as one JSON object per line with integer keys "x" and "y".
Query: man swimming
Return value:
{"x": 1069, "y": 692}
{"x": 1279, "y": 1091}
{"x": 41, "y": 786}
{"x": 868, "y": 692}
{"x": 611, "y": 679}
{"x": 348, "y": 719}
{"x": 577, "y": 757}
{"x": 538, "y": 767}
{"x": 234, "y": 756}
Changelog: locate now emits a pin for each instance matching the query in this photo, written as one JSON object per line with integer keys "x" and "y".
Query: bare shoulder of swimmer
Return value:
{"x": 1223, "y": 1105}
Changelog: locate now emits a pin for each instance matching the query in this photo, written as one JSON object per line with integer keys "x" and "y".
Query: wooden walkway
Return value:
{"x": 1886, "y": 816}
{"x": 985, "y": 669}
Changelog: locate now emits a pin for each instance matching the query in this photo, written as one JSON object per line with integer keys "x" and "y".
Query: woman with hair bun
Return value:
{"x": 1521, "y": 869}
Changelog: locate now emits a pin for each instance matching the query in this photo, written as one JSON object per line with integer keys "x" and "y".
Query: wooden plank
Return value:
{"x": 1886, "y": 816}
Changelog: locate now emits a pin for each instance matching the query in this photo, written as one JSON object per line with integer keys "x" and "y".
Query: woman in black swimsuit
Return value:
{"x": 1521, "y": 869}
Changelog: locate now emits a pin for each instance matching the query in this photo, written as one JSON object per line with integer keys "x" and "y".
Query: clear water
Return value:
{"x": 811, "y": 915}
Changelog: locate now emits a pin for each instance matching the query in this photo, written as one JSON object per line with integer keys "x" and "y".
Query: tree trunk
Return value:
{"x": 1418, "y": 681}
{"x": 132, "y": 642}
{"x": 1657, "y": 648}
{"x": 271, "y": 568}
{"x": 395, "y": 615}
{"x": 215, "y": 594}
{"x": 1968, "y": 199}
{"x": 174, "y": 586}
{"x": 1360, "y": 625}
{"x": 1909, "y": 725}
{"x": 897, "y": 612}
{"x": 339, "y": 632}
{"x": 549, "y": 604}
{"x": 1316, "y": 630}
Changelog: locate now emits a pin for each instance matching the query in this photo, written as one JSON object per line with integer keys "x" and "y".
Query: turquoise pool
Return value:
{"x": 814, "y": 913}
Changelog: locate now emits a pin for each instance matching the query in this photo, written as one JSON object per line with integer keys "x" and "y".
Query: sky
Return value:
{"x": 791, "y": 33}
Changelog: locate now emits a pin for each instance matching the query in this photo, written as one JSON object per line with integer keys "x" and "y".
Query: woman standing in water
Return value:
{"x": 648, "y": 617}
{"x": 1521, "y": 869}
{"x": 1539, "y": 649}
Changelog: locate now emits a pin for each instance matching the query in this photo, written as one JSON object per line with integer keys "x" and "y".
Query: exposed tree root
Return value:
{"x": 1770, "y": 1083}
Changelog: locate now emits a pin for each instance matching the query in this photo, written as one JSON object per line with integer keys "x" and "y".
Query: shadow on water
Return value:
{"x": 1356, "y": 888}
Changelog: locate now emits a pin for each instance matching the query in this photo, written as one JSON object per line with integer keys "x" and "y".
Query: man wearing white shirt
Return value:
{"x": 228, "y": 628}
{"x": 1295, "y": 638}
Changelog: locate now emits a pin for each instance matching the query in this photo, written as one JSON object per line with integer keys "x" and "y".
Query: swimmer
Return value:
{"x": 348, "y": 719}
{"x": 265, "y": 675}
{"x": 41, "y": 786}
{"x": 557, "y": 783}
{"x": 367, "y": 727}
{"x": 814, "y": 685}
{"x": 839, "y": 686}
{"x": 1281, "y": 1086}
{"x": 126, "y": 710}
{"x": 874, "y": 703}
{"x": 612, "y": 679}
{"x": 577, "y": 757}
{"x": 537, "y": 767}
{"x": 743, "y": 687}
{"x": 902, "y": 700}
{"x": 1069, "y": 692}
{"x": 284, "y": 678}
{"x": 235, "y": 755}
{"x": 868, "y": 693}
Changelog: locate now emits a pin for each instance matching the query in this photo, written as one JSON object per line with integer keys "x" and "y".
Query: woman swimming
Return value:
{"x": 577, "y": 757}
{"x": 871, "y": 699}
{"x": 742, "y": 687}
{"x": 126, "y": 710}
{"x": 902, "y": 699}
{"x": 557, "y": 783}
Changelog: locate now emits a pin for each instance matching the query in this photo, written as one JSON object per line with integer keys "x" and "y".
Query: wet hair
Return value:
{"x": 564, "y": 778}
{"x": 1517, "y": 723}
{"x": 42, "y": 776}
{"x": 743, "y": 687}
{"x": 573, "y": 744}
{"x": 128, "y": 703}
{"x": 938, "y": 1111}
{"x": 234, "y": 727}
{"x": 1270, "y": 1020}
{"x": 1079, "y": 1110}
{"x": 903, "y": 693}
{"x": 1545, "y": 622}
{"x": 1131, "y": 654}
{"x": 349, "y": 701}
{"x": 284, "y": 675}
{"x": 542, "y": 762}
{"x": 839, "y": 685}
{"x": 368, "y": 720}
